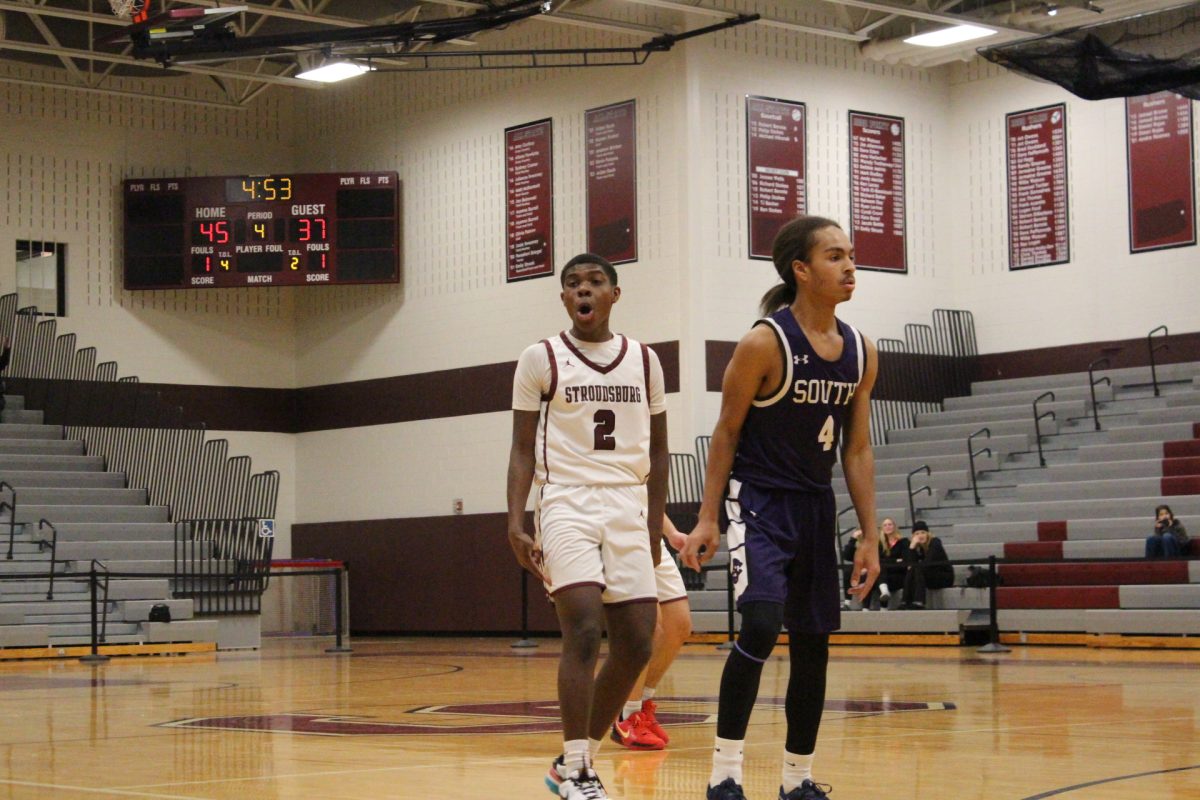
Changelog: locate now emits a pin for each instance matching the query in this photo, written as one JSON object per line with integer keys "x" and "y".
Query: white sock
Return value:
{"x": 648, "y": 693}
{"x": 796, "y": 770}
{"x": 727, "y": 761}
{"x": 575, "y": 754}
{"x": 632, "y": 707}
{"x": 593, "y": 750}
{"x": 883, "y": 590}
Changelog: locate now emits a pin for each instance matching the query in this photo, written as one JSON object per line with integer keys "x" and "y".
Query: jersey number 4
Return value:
{"x": 606, "y": 423}
{"x": 828, "y": 434}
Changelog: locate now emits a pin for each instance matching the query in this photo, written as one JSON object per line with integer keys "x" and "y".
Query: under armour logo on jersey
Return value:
{"x": 800, "y": 359}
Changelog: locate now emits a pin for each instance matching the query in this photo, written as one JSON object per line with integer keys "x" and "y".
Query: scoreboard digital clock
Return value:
{"x": 262, "y": 230}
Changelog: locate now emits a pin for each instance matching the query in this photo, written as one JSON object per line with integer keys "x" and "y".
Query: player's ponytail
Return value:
{"x": 792, "y": 243}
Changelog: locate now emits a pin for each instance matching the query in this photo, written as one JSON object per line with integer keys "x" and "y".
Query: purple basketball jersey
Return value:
{"x": 790, "y": 438}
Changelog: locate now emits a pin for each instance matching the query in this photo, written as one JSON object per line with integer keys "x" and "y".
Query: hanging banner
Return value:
{"x": 1038, "y": 233}
{"x": 610, "y": 144}
{"x": 1162, "y": 183}
{"x": 775, "y": 168}
{"x": 877, "y": 207}
{"x": 529, "y": 200}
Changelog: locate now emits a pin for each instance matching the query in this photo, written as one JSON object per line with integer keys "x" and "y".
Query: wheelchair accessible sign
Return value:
{"x": 266, "y": 529}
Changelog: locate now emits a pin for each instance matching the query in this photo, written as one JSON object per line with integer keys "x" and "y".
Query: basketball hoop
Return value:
{"x": 129, "y": 9}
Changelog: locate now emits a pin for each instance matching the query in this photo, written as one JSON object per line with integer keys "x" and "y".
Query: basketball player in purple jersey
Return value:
{"x": 797, "y": 387}
{"x": 590, "y": 427}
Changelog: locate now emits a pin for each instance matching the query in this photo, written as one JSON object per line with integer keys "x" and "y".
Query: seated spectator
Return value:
{"x": 892, "y": 548}
{"x": 1169, "y": 539}
{"x": 928, "y": 566}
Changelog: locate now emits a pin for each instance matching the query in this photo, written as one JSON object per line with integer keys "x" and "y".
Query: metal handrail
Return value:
{"x": 1092, "y": 382}
{"x": 837, "y": 524}
{"x": 971, "y": 458}
{"x": 130, "y": 425}
{"x": 53, "y": 544}
{"x": 912, "y": 511}
{"x": 1153, "y": 349}
{"x": 1037, "y": 422}
{"x": 98, "y": 564}
{"x": 12, "y": 515}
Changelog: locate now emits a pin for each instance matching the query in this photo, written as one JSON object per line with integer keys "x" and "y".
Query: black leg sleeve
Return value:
{"x": 806, "y": 690}
{"x": 761, "y": 623}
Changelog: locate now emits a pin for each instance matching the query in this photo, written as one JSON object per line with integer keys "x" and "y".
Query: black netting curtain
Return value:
{"x": 1123, "y": 58}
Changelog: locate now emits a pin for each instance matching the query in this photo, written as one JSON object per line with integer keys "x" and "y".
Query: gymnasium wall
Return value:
{"x": 1104, "y": 293}
{"x": 63, "y": 154}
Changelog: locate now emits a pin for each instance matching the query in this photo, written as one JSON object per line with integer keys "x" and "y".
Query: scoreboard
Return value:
{"x": 262, "y": 230}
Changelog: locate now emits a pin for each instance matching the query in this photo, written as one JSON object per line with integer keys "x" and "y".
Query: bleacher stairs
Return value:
{"x": 97, "y": 517}
{"x": 1095, "y": 498}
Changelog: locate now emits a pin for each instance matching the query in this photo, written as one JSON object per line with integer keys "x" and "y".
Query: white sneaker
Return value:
{"x": 556, "y": 774}
{"x": 582, "y": 784}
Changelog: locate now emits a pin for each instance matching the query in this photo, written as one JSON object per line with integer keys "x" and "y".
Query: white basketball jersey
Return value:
{"x": 595, "y": 425}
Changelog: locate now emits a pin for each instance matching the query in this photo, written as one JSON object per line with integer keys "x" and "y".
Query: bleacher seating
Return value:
{"x": 96, "y": 517}
{"x": 1093, "y": 499}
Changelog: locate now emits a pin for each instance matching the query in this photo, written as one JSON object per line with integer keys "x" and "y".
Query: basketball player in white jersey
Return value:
{"x": 590, "y": 426}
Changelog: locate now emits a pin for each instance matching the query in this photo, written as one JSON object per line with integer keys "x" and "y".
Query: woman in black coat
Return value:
{"x": 928, "y": 566}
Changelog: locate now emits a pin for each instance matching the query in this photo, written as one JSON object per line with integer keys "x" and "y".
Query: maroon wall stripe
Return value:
{"x": 452, "y": 574}
{"x": 402, "y": 398}
{"x": 1121, "y": 353}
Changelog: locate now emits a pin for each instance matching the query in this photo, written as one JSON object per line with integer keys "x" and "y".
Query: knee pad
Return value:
{"x": 761, "y": 623}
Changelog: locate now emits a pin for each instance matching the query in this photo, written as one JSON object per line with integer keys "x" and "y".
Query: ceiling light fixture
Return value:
{"x": 334, "y": 71}
{"x": 947, "y": 36}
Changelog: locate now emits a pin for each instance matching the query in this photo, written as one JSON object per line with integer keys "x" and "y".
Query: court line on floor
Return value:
{"x": 1064, "y": 790}
{"x": 706, "y": 747}
{"x": 91, "y": 790}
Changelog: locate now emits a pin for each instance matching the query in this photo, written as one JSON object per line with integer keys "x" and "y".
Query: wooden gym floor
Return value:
{"x": 473, "y": 718}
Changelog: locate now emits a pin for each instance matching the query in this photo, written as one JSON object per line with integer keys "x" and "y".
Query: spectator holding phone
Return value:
{"x": 928, "y": 566}
{"x": 1170, "y": 539}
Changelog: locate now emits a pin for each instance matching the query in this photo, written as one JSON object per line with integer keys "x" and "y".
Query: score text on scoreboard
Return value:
{"x": 262, "y": 230}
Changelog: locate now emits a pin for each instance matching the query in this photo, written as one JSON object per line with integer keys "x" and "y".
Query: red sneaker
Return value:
{"x": 634, "y": 734}
{"x": 648, "y": 709}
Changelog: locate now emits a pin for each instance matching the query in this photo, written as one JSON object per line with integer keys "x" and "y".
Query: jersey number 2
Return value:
{"x": 606, "y": 423}
{"x": 827, "y": 435}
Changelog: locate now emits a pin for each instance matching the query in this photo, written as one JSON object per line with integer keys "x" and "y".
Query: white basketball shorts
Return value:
{"x": 596, "y": 535}
{"x": 668, "y": 580}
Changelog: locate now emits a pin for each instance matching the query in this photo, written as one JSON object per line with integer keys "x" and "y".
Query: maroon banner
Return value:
{"x": 775, "y": 168}
{"x": 610, "y": 142}
{"x": 1162, "y": 196}
{"x": 1038, "y": 233}
{"x": 877, "y": 206}
{"x": 529, "y": 199}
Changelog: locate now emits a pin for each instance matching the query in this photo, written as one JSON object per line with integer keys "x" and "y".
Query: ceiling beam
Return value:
{"x": 64, "y": 13}
{"x": 188, "y": 101}
{"x": 932, "y": 16}
{"x": 30, "y": 47}
{"x": 675, "y": 5}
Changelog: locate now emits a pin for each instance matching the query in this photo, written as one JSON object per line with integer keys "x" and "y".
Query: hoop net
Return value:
{"x": 129, "y": 9}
